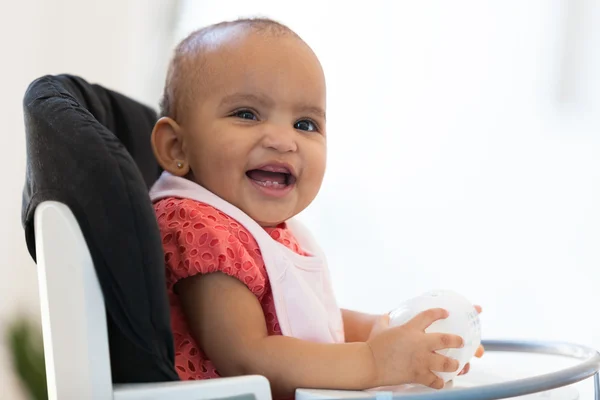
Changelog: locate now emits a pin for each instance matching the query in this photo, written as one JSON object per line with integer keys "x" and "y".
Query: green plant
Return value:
{"x": 25, "y": 345}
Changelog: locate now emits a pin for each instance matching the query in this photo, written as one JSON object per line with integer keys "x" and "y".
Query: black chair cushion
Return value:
{"x": 89, "y": 148}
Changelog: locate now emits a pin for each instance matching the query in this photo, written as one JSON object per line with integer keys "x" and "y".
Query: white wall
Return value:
{"x": 121, "y": 44}
{"x": 464, "y": 149}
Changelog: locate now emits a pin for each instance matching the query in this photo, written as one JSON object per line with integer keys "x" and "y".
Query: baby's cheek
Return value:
{"x": 317, "y": 159}
{"x": 308, "y": 190}
{"x": 315, "y": 171}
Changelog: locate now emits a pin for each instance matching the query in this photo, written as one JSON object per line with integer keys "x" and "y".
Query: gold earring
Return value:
{"x": 179, "y": 164}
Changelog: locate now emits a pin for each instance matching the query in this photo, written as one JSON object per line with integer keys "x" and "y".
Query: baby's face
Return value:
{"x": 256, "y": 136}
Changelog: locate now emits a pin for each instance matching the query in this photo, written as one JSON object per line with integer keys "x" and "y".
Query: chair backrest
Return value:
{"x": 88, "y": 148}
{"x": 72, "y": 305}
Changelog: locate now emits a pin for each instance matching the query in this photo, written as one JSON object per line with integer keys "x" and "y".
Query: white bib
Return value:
{"x": 304, "y": 299}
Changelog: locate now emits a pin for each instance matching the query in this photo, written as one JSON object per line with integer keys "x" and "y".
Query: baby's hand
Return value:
{"x": 406, "y": 354}
{"x": 381, "y": 323}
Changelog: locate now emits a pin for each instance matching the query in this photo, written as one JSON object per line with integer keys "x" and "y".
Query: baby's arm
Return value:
{"x": 358, "y": 326}
{"x": 228, "y": 323}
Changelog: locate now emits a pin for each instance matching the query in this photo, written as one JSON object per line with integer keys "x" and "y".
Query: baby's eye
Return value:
{"x": 305, "y": 125}
{"x": 245, "y": 114}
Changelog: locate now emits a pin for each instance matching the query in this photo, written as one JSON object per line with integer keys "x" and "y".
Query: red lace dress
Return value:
{"x": 199, "y": 239}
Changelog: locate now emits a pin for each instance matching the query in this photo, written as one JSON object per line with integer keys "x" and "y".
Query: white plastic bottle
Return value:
{"x": 463, "y": 320}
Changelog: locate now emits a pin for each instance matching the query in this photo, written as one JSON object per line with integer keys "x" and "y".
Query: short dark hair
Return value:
{"x": 178, "y": 93}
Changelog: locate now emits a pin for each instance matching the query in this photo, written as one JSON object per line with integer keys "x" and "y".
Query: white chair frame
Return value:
{"x": 75, "y": 331}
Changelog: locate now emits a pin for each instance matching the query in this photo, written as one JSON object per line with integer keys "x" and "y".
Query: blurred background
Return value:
{"x": 464, "y": 144}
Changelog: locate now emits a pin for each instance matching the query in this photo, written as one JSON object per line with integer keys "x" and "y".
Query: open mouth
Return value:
{"x": 272, "y": 177}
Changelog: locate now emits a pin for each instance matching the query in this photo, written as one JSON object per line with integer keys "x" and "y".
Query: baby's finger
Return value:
{"x": 422, "y": 320}
{"x": 478, "y": 308}
{"x": 479, "y": 352}
{"x": 440, "y": 363}
{"x": 439, "y": 341}
{"x": 465, "y": 369}
{"x": 431, "y": 380}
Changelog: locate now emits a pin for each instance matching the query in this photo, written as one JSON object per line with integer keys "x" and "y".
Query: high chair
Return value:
{"x": 90, "y": 226}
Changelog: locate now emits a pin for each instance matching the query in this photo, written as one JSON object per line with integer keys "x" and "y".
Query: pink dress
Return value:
{"x": 199, "y": 239}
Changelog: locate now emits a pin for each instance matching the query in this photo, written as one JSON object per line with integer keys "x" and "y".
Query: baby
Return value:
{"x": 242, "y": 141}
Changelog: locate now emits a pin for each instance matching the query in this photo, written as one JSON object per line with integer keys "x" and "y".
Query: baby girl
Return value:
{"x": 242, "y": 141}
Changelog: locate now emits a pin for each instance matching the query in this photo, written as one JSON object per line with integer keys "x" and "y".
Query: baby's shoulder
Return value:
{"x": 191, "y": 215}
{"x": 200, "y": 239}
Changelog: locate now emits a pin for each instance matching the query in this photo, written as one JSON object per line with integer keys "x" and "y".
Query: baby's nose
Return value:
{"x": 282, "y": 139}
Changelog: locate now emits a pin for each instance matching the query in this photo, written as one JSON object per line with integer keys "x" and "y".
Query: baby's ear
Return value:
{"x": 167, "y": 144}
